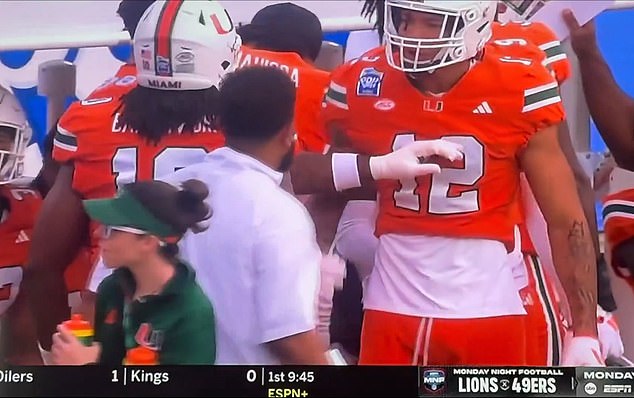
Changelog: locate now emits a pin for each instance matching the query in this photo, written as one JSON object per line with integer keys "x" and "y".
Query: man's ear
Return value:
{"x": 287, "y": 134}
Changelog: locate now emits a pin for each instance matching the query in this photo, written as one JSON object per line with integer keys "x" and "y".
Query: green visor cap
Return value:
{"x": 125, "y": 211}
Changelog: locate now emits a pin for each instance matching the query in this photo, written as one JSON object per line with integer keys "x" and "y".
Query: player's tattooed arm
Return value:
{"x": 570, "y": 238}
{"x": 587, "y": 196}
{"x": 581, "y": 249}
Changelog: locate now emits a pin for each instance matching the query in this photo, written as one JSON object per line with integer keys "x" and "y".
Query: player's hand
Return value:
{"x": 68, "y": 350}
{"x": 583, "y": 38}
{"x": 582, "y": 351}
{"x": 406, "y": 162}
{"x": 609, "y": 335}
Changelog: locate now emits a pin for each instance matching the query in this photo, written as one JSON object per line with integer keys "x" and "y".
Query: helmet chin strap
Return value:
{"x": 4, "y": 209}
{"x": 472, "y": 62}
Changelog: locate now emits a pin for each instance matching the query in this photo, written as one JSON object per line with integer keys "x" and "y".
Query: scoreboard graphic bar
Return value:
{"x": 315, "y": 381}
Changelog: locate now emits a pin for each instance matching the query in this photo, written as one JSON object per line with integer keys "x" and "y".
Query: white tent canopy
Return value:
{"x": 36, "y": 25}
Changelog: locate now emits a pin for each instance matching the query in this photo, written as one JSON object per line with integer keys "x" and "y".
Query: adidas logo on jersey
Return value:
{"x": 483, "y": 108}
{"x": 22, "y": 237}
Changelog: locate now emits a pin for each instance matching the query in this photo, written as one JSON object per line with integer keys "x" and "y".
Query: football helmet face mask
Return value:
{"x": 15, "y": 135}
{"x": 520, "y": 10}
{"x": 422, "y": 36}
{"x": 185, "y": 45}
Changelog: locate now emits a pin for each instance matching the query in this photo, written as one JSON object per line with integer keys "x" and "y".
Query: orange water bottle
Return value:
{"x": 80, "y": 328}
{"x": 141, "y": 356}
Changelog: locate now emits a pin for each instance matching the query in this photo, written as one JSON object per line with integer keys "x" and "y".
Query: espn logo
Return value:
{"x": 617, "y": 389}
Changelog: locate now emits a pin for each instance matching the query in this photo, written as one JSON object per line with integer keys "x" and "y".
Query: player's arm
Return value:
{"x": 46, "y": 177}
{"x": 59, "y": 232}
{"x": 584, "y": 187}
{"x": 610, "y": 107}
{"x": 18, "y": 341}
{"x": 570, "y": 237}
{"x": 336, "y": 172}
{"x": 315, "y": 173}
{"x": 586, "y": 194}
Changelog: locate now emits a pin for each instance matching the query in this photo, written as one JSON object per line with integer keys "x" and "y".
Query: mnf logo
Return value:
{"x": 617, "y": 389}
{"x": 434, "y": 380}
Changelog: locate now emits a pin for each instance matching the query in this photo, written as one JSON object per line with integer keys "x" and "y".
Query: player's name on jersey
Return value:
{"x": 119, "y": 127}
{"x": 248, "y": 60}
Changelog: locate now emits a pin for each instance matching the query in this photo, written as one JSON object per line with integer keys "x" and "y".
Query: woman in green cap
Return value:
{"x": 151, "y": 302}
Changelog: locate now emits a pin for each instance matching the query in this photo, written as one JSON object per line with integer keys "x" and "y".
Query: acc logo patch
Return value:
{"x": 384, "y": 105}
{"x": 184, "y": 62}
{"x": 369, "y": 84}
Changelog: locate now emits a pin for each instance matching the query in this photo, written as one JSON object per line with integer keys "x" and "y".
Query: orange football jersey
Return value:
{"x": 15, "y": 240}
{"x": 492, "y": 112}
{"x": 311, "y": 85}
{"x": 536, "y": 41}
{"x": 16, "y": 228}
{"x": 618, "y": 216}
{"x": 107, "y": 155}
{"x": 517, "y": 35}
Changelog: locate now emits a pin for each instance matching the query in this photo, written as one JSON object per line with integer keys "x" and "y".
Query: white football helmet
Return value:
{"x": 15, "y": 134}
{"x": 520, "y": 10}
{"x": 465, "y": 29}
{"x": 184, "y": 45}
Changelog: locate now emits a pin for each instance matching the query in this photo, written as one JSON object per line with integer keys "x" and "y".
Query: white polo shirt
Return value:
{"x": 258, "y": 262}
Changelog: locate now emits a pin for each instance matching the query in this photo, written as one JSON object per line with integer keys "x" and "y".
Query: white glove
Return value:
{"x": 47, "y": 357}
{"x": 333, "y": 270}
{"x": 582, "y": 351}
{"x": 332, "y": 273}
{"x": 609, "y": 335}
{"x": 406, "y": 162}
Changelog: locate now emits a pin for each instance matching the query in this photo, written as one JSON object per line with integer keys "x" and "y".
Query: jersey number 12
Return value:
{"x": 440, "y": 200}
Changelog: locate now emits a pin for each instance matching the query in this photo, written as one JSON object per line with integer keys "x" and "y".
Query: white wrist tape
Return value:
{"x": 334, "y": 357}
{"x": 345, "y": 172}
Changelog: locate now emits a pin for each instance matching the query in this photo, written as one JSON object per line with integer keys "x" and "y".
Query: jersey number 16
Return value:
{"x": 125, "y": 163}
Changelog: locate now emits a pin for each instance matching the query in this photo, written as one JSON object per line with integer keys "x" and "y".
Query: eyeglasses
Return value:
{"x": 107, "y": 230}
